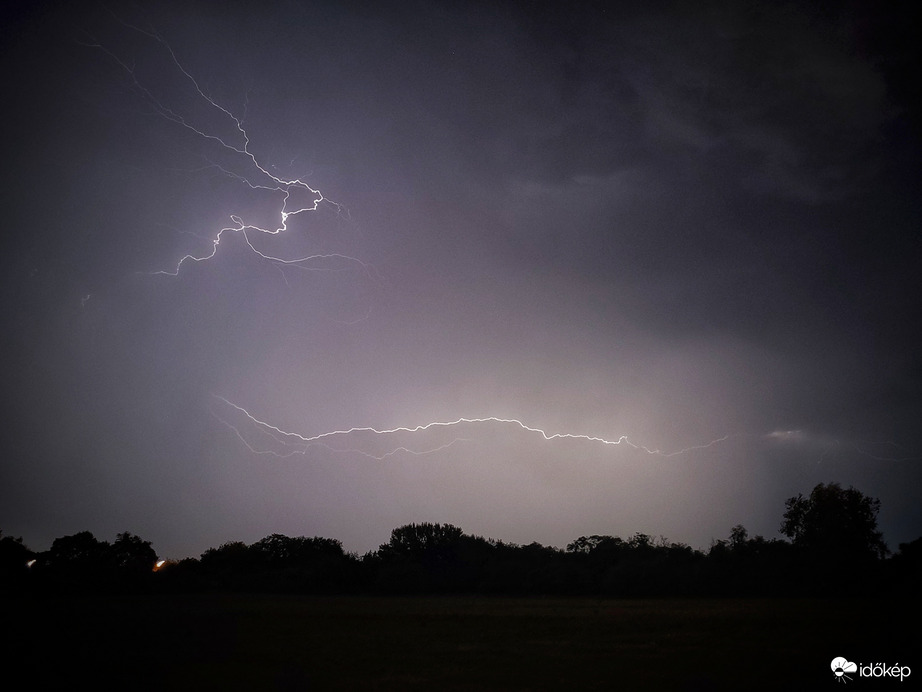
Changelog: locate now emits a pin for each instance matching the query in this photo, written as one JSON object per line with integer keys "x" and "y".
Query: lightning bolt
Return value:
{"x": 252, "y": 173}
{"x": 292, "y": 443}
{"x": 266, "y": 439}
{"x": 255, "y": 175}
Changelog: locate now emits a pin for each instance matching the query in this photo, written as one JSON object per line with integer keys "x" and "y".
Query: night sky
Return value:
{"x": 690, "y": 229}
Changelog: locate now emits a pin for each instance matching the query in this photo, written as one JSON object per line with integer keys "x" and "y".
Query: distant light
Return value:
{"x": 787, "y": 435}
{"x": 30, "y": 563}
{"x": 160, "y": 563}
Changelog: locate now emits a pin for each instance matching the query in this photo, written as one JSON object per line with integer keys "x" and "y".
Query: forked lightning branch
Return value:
{"x": 247, "y": 168}
{"x": 262, "y": 437}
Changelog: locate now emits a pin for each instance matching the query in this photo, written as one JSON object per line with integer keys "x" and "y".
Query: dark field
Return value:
{"x": 457, "y": 643}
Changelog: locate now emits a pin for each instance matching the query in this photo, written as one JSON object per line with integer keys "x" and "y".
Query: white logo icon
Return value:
{"x": 841, "y": 666}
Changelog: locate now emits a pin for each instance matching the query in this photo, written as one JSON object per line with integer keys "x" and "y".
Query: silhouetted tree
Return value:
{"x": 231, "y": 555}
{"x": 738, "y": 537}
{"x": 641, "y": 542}
{"x": 835, "y": 523}
{"x": 905, "y": 568}
{"x": 79, "y": 562}
{"x": 422, "y": 541}
{"x": 79, "y": 549}
{"x": 14, "y": 557}
{"x": 278, "y": 549}
{"x": 303, "y": 564}
{"x": 596, "y": 545}
{"x": 834, "y": 547}
{"x": 743, "y": 566}
{"x": 910, "y": 552}
{"x": 229, "y": 566}
{"x": 419, "y": 557}
{"x": 182, "y": 576}
{"x": 834, "y": 535}
{"x": 279, "y": 563}
{"x": 132, "y": 555}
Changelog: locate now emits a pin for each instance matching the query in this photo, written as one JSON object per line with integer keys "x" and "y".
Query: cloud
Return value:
{"x": 844, "y": 665}
{"x": 778, "y": 96}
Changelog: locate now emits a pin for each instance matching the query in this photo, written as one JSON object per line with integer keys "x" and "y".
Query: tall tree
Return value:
{"x": 422, "y": 541}
{"x": 13, "y": 558}
{"x": 835, "y": 524}
{"x": 133, "y": 555}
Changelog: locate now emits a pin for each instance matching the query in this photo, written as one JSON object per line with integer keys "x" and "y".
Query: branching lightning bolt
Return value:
{"x": 257, "y": 176}
{"x": 260, "y": 178}
{"x": 296, "y": 444}
{"x": 266, "y": 439}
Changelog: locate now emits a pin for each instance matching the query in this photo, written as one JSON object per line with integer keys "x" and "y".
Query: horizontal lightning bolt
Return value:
{"x": 295, "y": 443}
{"x": 288, "y": 444}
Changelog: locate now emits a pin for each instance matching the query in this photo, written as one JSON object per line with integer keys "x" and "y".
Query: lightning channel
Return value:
{"x": 252, "y": 172}
{"x": 264, "y": 438}
{"x": 291, "y": 443}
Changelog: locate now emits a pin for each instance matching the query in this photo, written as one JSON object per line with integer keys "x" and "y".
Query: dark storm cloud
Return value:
{"x": 750, "y": 203}
{"x": 672, "y": 222}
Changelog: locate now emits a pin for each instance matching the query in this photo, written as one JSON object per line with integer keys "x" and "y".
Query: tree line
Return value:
{"x": 831, "y": 546}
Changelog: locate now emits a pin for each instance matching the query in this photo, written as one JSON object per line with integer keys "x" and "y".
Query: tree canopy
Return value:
{"x": 834, "y": 546}
{"x": 835, "y": 524}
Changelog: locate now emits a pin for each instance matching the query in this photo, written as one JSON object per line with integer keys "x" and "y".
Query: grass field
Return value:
{"x": 356, "y": 643}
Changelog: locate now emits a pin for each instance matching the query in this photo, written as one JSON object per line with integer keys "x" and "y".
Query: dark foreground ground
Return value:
{"x": 238, "y": 642}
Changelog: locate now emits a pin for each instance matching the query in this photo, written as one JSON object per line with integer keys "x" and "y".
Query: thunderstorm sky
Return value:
{"x": 539, "y": 270}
